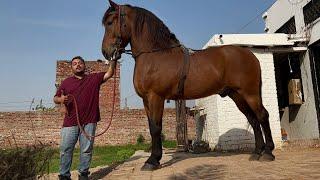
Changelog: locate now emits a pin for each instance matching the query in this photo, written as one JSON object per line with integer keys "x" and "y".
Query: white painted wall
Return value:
{"x": 314, "y": 31}
{"x": 281, "y": 11}
{"x": 211, "y": 124}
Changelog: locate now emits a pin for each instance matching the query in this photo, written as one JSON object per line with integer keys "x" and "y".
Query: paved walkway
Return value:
{"x": 289, "y": 164}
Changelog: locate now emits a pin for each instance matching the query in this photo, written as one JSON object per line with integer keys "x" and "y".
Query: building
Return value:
{"x": 303, "y": 19}
{"x": 289, "y": 56}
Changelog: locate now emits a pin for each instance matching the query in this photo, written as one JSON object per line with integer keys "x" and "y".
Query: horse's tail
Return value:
{"x": 260, "y": 87}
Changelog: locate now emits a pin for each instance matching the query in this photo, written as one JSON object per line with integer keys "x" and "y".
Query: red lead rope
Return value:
{"x": 90, "y": 137}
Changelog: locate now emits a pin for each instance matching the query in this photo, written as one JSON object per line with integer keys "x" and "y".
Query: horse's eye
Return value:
{"x": 109, "y": 23}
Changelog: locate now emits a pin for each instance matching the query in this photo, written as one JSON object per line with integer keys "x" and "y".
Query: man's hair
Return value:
{"x": 77, "y": 57}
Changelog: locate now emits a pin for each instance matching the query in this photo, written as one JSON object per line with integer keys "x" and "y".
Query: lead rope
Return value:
{"x": 88, "y": 136}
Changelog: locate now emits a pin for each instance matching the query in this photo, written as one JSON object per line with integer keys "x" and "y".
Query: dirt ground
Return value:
{"x": 289, "y": 164}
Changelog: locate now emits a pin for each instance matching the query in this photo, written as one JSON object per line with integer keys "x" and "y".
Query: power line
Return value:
{"x": 22, "y": 102}
{"x": 253, "y": 19}
{"x": 16, "y": 102}
{"x": 15, "y": 106}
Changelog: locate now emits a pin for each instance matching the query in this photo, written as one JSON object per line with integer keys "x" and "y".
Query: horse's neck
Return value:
{"x": 137, "y": 45}
{"x": 143, "y": 44}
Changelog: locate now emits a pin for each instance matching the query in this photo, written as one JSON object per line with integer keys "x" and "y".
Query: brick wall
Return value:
{"x": 125, "y": 127}
{"x": 22, "y": 127}
{"x": 106, "y": 92}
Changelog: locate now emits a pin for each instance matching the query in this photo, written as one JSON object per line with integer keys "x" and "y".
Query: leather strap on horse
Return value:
{"x": 88, "y": 136}
{"x": 184, "y": 71}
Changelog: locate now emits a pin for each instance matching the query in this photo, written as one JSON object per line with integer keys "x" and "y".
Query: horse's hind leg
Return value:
{"x": 154, "y": 105}
{"x": 255, "y": 103}
{"x": 245, "y": 109}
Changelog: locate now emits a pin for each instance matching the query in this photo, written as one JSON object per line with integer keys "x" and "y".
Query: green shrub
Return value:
{"x": 163, "y": 137}
{"x": 124, "y": 154}
{"x": 25, "y": 163}
{"x": 169, "y": 144}
{"x": 140, "y": 139}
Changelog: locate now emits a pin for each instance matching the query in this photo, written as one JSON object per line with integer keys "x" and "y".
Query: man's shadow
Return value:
{"x": 103, "y": 172}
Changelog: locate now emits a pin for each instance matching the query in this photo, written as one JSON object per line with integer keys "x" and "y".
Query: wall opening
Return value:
{"x": 289, "y": 27}
{"x": 287, "y": 68}
{"x": 315, "y": 71}
{"x": 311, "y": 11}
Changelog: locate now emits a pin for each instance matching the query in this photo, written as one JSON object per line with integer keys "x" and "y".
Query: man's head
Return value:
{"x": 78, "y": 65}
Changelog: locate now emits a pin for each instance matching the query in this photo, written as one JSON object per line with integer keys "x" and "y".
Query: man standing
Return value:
{"x": 85, "y": 88}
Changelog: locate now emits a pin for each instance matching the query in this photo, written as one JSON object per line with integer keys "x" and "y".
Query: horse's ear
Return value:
{"x": 113, "y": 4}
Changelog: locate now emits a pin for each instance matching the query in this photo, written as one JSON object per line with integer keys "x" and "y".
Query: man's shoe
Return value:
{"x": 84, "y": 176}
{"x": 64, "y": 177}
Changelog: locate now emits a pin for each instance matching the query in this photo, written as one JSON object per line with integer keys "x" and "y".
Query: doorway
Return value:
{"x": 315, "y": 70}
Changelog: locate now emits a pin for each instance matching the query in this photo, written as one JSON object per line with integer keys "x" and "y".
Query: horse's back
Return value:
{"x": 238, "y": 66}
{"x": 232, "y": 54}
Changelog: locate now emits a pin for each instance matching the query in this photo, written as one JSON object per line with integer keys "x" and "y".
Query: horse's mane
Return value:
{"x": 158, "y": 33}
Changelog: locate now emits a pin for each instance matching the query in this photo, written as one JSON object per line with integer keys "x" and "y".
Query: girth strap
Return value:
{"x": 184, "y": 71}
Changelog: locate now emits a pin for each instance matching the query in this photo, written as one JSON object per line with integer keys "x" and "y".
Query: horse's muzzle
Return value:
{"x": 114, "y": 56}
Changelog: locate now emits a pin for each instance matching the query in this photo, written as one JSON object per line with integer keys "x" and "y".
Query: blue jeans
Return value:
{"x": 69, "y": 138}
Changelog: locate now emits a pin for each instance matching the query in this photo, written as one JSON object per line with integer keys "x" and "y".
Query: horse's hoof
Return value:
{"x": 267, "y": 157}
{"x": 254, "y": 157}
{"x": 149, "y": 167}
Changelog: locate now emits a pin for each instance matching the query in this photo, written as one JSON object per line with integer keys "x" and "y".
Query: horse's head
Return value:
{"x": 117, "y": 32}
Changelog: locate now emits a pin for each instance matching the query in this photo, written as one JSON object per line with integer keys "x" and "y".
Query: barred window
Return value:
{"x": 289, "y": 27}
{"x": 311, "y": 11}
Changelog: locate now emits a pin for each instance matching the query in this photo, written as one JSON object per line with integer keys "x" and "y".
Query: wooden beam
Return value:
{"x": 181, "y": 127}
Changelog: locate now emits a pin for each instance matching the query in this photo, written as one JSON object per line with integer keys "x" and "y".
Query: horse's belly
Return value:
{"x": 202, "y": 91}
{"x": 196, "y": 90}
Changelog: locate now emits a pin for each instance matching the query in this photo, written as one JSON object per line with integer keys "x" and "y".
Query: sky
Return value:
{"x": 34, "y": 34}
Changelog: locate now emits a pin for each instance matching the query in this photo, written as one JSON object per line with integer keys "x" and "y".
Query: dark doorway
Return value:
{"x": 315, "y": 70}
{"x": 287, "y": 67}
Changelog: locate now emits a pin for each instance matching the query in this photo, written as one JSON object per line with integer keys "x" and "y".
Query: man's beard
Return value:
{"x": 81, "y": 73}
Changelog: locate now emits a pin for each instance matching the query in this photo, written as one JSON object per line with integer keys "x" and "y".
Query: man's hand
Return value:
{"x": 110, "y": 72}
{"x": 63, "y": 99}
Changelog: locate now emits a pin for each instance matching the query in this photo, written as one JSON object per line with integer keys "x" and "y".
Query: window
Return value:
{"x": 289, "y": 27}
{"x": 311, "y": 11}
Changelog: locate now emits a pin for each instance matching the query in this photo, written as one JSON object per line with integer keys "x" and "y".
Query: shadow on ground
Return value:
{"x": 103, "y": 172}
{"x": 225, "y": 140}
{"x": 206, "y": 171}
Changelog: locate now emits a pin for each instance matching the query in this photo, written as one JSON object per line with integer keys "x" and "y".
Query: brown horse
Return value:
{"x": 159, "y": 60}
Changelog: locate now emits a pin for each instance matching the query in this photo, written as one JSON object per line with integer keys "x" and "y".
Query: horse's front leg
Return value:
{"x": 154, "y": 105}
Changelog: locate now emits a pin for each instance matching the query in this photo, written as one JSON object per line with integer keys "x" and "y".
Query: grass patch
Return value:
{"x": 105, "y": 155}
{"x": 169, "y": 144}
{"x": 38, "y": 160}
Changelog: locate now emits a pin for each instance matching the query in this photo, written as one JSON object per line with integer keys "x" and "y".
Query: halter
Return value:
{"x": 118, "y": 42}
